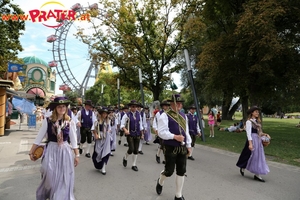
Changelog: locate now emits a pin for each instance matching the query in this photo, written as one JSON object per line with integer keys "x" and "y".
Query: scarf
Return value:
{"x": 257, "y": 126}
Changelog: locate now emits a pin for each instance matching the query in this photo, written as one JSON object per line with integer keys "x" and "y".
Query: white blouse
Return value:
{"x": 43, "y": 133}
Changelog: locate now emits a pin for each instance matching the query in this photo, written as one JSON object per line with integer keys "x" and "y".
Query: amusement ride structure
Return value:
{"x": 59, "y": 44}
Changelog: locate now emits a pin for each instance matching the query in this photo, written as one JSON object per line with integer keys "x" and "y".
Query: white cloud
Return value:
{"x": 35, "y": 35}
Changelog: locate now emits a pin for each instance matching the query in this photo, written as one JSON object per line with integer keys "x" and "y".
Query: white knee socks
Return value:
{"x": 88, "y": 148}
{"x": 179, "y": 185}
{"x": 191, "y": 151}
{"x": 141, "y": 145}
{"x": 162, "y": 179}
{"x": 134, "y": 158}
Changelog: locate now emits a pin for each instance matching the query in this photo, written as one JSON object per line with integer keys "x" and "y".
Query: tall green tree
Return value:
{"x": 251, "y": 50}
{"x": 142, "y": 34}
{"x": 10, "y": 34}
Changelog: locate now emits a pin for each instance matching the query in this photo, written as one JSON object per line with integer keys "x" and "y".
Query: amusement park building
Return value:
{"x": 40, "y": 78}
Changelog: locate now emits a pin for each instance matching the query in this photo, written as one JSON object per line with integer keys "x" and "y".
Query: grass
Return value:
{"x": 284, "y": 146}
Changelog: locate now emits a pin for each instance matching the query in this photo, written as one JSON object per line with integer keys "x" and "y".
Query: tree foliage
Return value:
{"x": 110, "y": 92}
{"x": 145, "y": 34}
{"x": 249, "y": 49}
{"x": 10, "y": 34}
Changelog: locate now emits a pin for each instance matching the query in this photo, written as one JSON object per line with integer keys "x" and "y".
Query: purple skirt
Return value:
{"x": 57, "y": 173}
{"x": 257, "y": 162}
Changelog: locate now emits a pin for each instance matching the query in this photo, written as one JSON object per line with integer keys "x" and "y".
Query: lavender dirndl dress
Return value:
{"x": 148, "y": 135}
{"x": 102, "y": 146}
{"x": 257, "y": 162}
{"x": 57, "y": 167}
{"x": 113, "y": 125}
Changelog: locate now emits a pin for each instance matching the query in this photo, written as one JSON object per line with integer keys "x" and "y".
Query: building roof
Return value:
{"x": 34, "y": 60}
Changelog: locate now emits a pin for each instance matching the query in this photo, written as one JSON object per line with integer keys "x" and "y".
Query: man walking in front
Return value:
{"x": 131, "y": 124}
{"x": 87, "y": 118}
{"x": 173, "y": 129}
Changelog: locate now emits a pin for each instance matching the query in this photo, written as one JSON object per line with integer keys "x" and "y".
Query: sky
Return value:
{"x": 34, "y": 41}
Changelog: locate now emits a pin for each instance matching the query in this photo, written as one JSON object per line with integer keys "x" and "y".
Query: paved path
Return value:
{"x": 212, "y": 176}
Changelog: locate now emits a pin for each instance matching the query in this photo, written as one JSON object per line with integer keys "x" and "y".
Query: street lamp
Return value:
{"x": 141, "y": 85}
{"x": 188, "y": 64}
{"x": 118, "y": 87}
{"x": 102, "y": 86}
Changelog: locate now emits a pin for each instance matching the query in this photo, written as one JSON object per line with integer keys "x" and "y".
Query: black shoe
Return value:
{"x": 258, "y": 179}
{"x": 164, "y": 162}
{"x": 126, "y": 145}
{"x": 241, "y": 171}
{"x": 147, "y": 143}
{"x": 134, "y": 168}
{"x": 119, "y": 142}
{"x": 80, "y": 150}
{"x": 191, "y": 158}
{"x": 157, "y": 158}
{"x": 180, "y": 198}
{"x": 140, "y": 152}
{"x": 111, "y": 154}
{"x": 158, "y": 187}
{"x": 124, "y": 162}
{"x": 88, "y": 155}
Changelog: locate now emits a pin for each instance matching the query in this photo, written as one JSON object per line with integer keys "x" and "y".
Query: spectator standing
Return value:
{"x": 219, "y": 119}
{"x": 211, "y": 123}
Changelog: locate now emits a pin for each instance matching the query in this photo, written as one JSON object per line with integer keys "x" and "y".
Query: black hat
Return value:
{"x": 102, "y": 110}
{"x": 111, "y": 109}
{"x": 124, "y": 107}
{"x": 59, "y": 101}
{"x": 74, "y": 108}
{"x": 165, "y": 103}
{"x": 192, "y": 107}
{"x": 134, "y": 103}
{"x": 252, "y": 109}
{"x": 175, "y": 98}
{"x": 88, "y": 102}
{"x": 146, "y": 107}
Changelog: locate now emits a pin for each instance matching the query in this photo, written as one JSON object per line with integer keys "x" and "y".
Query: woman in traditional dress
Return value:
{"x": 58, "y": 160}
{"x": 102, "y": 149}
{"x": 113, "y": 125}
{"x": 148, "y": 135}
{"x": 253, "y": 156}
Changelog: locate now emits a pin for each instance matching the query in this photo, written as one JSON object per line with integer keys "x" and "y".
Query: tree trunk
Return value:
{"x": 245, "y": 105}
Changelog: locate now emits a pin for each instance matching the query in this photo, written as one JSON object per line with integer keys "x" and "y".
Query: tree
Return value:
{"x": 248, "y": 48}
{"x": 141, "y": 34}
{"x": 10, "y": 34}
{"x": 110, "y": 92}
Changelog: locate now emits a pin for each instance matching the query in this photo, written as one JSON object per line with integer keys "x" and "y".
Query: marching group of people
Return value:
{"x": 68, "y": 130}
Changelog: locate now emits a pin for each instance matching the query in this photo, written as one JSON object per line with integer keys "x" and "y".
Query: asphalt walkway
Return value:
{"x": 212, "y": 176}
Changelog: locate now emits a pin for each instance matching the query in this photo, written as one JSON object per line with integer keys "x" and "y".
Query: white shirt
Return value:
{"x": 87, "y": 113}
{"x": 165, "y": 134}
{"x": 43, "y": 133}
{"x": 155, "y": 120}
{"x": 124, "y": 120}
{"x": 249, "y": 129}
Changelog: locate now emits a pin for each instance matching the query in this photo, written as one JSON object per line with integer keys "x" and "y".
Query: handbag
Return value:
{"x": 266, "y": 140}
{"x": 38, "y": 152}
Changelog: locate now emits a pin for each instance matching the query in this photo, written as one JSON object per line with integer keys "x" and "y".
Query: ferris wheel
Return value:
{"x": 59, "y": 50}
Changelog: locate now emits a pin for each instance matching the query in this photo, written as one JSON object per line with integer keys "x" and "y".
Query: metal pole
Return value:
{"x": 188, "y": 63}
{"x": 118, "y": 86}
{"x": 141, "y": 86}
{"x": 102, "y": 95}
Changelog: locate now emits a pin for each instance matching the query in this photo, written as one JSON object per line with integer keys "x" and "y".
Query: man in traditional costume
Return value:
{"x": 173, "y": 129}
{"x": 194, "y": 128}
{"x": 131, "y": 124}
{"x": 86, "y": 117}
